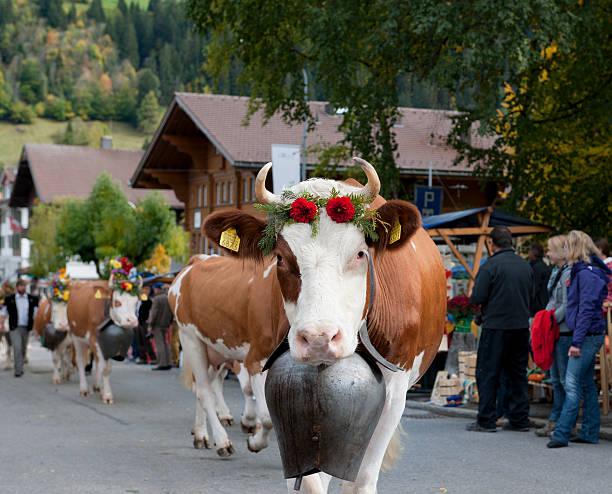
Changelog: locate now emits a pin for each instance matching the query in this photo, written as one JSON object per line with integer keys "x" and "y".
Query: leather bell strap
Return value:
{"x": 363, "y": 332}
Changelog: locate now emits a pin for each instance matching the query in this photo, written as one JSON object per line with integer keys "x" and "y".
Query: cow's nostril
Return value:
{"x": 302, "y": 340}
{"x": 336, "y": 338}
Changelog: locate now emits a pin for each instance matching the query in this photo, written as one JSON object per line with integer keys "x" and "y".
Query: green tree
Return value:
{"x": 147, "y": 82}
{"x": 45, "y": 256}
{"x": 31, "y": 85}
{"x": 74, "y": 234}
{"x": 177, "y": 244}
{"x": 153, "y": 222}
{"x": 55, "y": 14}
{"x": 95, "y": 11}
{"x": 356, "y": 52}
{"x": 148, "y": 113}
{"x": 125, "y": 103}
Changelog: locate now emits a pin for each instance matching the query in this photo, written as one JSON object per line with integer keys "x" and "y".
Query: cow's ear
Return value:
{"x": 248, "y": 229}
{"x": 401, "y": 220}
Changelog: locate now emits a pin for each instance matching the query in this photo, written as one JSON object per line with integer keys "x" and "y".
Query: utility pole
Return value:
{"x": 305, "y": 129}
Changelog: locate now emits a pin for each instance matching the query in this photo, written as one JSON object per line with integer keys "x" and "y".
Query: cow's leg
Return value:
{"x": 200, "y": 431}
{"x": 107, "y": 367}
{"x": 316, "y": 483}
{"x": 248, "y": 420}
{"x": 223, "y": 412}
{"x": 259, "y": 440}
{"x": 56, "y": 357}
{"x": 67, "y": 357}
{"x": 99, "y": 363}
{"x": 80, "y": 348}
{"x": 194, "y": 351}
{"x": 397, "y": 384}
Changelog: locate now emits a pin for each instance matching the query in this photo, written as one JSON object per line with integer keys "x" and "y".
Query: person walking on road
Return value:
{"x": 504, "y": 289}
{"x": 145, "y": 349}
{"x": 21, "y": 309}
{"x": 585, "y": 295}
{"x": 557, "y": 290}
{"x": 159, "y": 322}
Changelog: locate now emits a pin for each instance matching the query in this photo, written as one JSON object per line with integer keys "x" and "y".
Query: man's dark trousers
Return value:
{"x": 506, "y": 349}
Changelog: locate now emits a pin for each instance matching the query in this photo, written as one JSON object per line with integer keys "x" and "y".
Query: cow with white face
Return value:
{"x": 321, "y": 236}
{"x": 87, "y": 312}
{"x": 54, "y": 312}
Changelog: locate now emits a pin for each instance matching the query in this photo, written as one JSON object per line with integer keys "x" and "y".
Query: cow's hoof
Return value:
{"x": 248, "y": 429}
{"x": 251, "y": 448}
{"x": 227, "y": 451}
{"x": 84, "y": 394}
{"x": 227, "y": 422}
{"x": 201, "y": 443}
{"x": 56, "y": 380}
{"x": 108, "y": 401}
{"x": 97, "y": 389}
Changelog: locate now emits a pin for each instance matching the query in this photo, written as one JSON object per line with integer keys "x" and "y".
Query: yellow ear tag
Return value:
{"x": 230, "y": 240}
{"x": 98, "y": 294}
{"x": 396, "y": 232}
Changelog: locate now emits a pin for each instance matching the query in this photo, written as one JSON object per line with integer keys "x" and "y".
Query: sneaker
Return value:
{"x": 547, "y": 430}
{"x": 162, "y": 367}
{"x": 18, "y": 374}
{"x": 509, "y": 427}
{"x": 476, "y": 427}
{"x": 556, "y": 444}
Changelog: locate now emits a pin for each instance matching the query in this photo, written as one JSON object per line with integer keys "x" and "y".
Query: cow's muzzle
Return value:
{"x": 318, "y": 344}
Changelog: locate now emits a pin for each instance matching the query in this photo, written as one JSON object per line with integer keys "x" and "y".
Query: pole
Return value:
{"x": 305, "y": 129}
{"x": 429, "y": 180}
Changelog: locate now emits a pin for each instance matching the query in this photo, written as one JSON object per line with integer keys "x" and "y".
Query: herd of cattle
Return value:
{"x": 233, "y": 311}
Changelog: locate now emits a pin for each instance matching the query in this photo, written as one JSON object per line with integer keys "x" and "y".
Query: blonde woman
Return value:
{"x": 557, "y": 301}
{"x": 585, "y": 294}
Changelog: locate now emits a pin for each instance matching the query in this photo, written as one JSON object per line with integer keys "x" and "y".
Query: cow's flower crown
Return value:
{"x": 60, "y": 284}
{"x": 304, "y": 207}
{"x": 120, "y": 272}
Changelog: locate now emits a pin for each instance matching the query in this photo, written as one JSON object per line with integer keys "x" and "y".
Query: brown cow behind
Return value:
{"x": 63, "y": 355}
{"x": 86, "y": 311}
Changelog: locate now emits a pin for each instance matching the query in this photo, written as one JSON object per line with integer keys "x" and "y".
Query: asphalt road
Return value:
{"x": 53, "y": 441}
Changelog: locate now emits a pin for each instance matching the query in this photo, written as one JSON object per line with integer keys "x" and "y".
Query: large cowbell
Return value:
{"x": 51, "y": 338}
{"x": 115, "y": 341}
{"x": 325, "y": 415}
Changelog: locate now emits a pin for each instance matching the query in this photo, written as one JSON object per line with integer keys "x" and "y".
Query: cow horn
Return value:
{"x": 263, "y": 195}
{"x": 372, "y": 188}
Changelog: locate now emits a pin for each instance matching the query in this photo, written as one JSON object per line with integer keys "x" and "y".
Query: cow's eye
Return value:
{"x": 279, "y": 259}
{"x": 361, "y": 254}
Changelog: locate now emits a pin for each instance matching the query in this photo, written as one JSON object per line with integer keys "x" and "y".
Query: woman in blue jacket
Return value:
{"x": 585, "y": 295}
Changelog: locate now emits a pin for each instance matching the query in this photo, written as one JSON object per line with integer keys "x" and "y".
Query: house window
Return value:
{"x": 252, "y": 182}
{"x": 218, "y": 199}
{"x": 224, "y": 192}
{"x": 245, "y": 190}
{"x": 230, "y": 188}
{"x": 204, "y": 195}
{"x": 197, "y": 218}
{"x": 199, "y": 193}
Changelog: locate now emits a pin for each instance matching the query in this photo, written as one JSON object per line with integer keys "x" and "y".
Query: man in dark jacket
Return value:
{"x": 504, "y": 289}
{"x": 159, "y": 322}
{"x": 541, "y": 274}
{"x": 145, "y": 349}
{"x": 21, "y": 309}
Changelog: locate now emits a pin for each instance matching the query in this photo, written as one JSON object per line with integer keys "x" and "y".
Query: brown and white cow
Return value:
{"x": 86, "y": 307}
{"x": 50, "y": 311}
{"x": 322, "y": 283}
{"x": 217, "y": 304}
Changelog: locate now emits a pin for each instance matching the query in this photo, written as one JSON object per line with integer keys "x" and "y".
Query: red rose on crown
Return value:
{"x": 126, "y": 264}
{"x": 303, "y": 211}
{"x": 340, "y": 209}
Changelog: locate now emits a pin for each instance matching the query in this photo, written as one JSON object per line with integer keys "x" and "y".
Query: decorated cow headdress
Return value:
{"x": 61, "y": 282}
{"x": 120, "y": 280}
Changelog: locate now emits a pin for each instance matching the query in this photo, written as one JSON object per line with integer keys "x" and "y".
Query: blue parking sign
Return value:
{"x": 428, "y": 200}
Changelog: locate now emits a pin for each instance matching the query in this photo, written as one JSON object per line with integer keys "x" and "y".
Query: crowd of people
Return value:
{"x": 512, "y": 291}
{"x": 155, "y": 323}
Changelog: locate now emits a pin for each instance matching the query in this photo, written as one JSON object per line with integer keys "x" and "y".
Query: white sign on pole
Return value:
{"x": 285, "y": 166}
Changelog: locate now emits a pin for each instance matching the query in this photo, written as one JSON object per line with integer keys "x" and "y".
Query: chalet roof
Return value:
{"x": 48, "y": 171}
{"x": 420, "y": 134}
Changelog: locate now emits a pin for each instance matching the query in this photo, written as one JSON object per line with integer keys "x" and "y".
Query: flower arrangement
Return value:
{"x": 460, "y": 307}
{"x": 5, "y": 290}
{"x": 306, "y": 208}
{"x": 119, "y": 276}
{"x": 60, "y": 284}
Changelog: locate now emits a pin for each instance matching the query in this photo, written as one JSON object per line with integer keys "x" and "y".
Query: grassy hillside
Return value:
{"x": 13, "y": 137}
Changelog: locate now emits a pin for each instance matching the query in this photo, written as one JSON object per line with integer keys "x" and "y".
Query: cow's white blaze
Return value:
{"x": 59, "y": 315}
{"x": 329, "y": 310}
{"x": 123, "y": 309}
